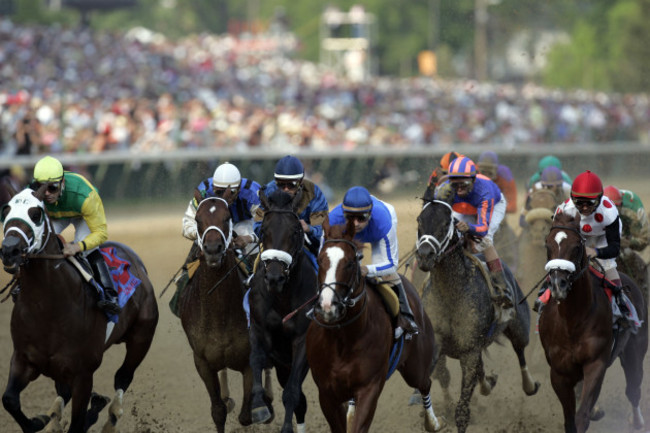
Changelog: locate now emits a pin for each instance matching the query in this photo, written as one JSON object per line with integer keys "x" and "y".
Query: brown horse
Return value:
{"x": 532, "y": 249}
{"x": 212, "y": 313}
{"x": 350, "y": 339}
{"x": 56, "y": 328}
{"x": 575, "y": 328}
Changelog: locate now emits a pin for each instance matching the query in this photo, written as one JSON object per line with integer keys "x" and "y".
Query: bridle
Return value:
{"x": 226, "y": 239}
{"x": 556, "y": 265}
{"x": 347, "y": 300}
{"x": 440, "y": 247}
{"x": 287, "y": 259}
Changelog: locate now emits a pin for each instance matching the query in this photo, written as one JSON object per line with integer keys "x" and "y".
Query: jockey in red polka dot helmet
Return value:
{"x": 599, "y": 224}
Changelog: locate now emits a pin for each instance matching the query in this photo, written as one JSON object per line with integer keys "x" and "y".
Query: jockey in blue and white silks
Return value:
{"x": 375, "y": 222}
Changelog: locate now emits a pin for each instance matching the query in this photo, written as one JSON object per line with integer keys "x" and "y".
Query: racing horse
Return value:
{"x": 282, "y": 288}
{"x": 457, "y": 299}
{"x": 350, "y": 346}
{"x": 576, "y": 331}
{"x": 56, "y": 328}
{"x": 211, "y": 310}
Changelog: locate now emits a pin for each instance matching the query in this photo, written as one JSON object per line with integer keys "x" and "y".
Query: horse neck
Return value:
{"x": 219, "y": 289}
{"x": 580, "y": 299}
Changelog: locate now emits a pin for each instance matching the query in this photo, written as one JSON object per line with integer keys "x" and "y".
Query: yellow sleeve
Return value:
{"x": 93, "y": 213}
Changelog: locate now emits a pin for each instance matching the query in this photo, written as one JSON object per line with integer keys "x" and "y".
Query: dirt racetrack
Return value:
{"x": 168, "y": 396}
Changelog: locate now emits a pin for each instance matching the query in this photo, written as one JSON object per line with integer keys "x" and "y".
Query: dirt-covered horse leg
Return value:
{"x": 470, "y": 364}
{"x": 55, "y": 414}
{"x": 211, "y": 380}
{"x": 225, "y": 390}
{"x": 633, "y": 369}
{"x": 19, "y": 377}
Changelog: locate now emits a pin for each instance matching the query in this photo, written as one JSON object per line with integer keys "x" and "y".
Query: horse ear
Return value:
{"x": 264, "y": 200}
{"x": 326, "y": 226}
{"x": 296, "y": 199}
{"x": 349, "y": 229}
{"x": 40, "y": 192}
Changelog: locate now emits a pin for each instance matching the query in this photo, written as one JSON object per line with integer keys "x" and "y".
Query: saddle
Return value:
{"x": 387, "y": 295}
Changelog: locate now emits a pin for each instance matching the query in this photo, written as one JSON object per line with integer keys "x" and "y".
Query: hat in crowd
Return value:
{"x": 357, "y": 200}
{"x": 587, "y": 185}
{"x": 289, "y": 167}
{"x": 462, "y": 167}
{"x": 48, "y": 169}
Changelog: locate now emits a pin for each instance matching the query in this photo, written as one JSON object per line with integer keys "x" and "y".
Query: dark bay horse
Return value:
{"x": 282, "y": 290}
{"x": 211, "y": 310}
{"x": 457, "y": 299}
{"x": 56, "y": 328}
{"x": 350, "y": 339}
{"x": 576, "y": 331}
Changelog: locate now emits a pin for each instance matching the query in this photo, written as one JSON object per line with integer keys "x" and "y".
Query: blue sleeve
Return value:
{"x": 317, "y": 205}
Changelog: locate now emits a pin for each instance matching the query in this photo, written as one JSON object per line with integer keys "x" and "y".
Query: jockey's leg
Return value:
{"x": 612, "y": 275}
{"x": 502, "y": 290}
{"x": 109, "y": 304}
{"x": 406, "y": 320}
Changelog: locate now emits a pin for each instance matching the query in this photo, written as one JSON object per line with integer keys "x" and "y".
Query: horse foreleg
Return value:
{"x": 563, "y": 387}
{"x": 225, "y": 390}
{"x": 268, "y": 383}
{"x": 210, "y": 379}
{"x": 366, "y": 404}
{"x": 431, "y": 423}
{"x": 115, "y": 412}
{"x": 470, "y": 365}
{"x": 19, "y": 377}
{"x": 632, "y": 363}
{"x": 260, "y": 411}
{"x": 486, "y": 382}
{"x": 81, "y": 390}
{"x": 245, "y": 412}
{"x": 55, "y": 414}
{"x": 333, "y": 411}
{"x": 594, "y": 374}
{"x": 441, "y": 374}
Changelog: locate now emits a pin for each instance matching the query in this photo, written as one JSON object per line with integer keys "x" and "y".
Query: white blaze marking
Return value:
{"x": 334, "y": 254}
{"x": 213, "y": 209}
{"x": 559, "y": 237}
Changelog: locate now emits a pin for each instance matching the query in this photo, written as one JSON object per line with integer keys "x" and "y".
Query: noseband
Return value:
{"x": 226, "y": 239}
{"x": 347, "y": 301}
{"x": 287, "y": 259}
{"x": 574, "y": 271}
{"x": 440, "y": 247}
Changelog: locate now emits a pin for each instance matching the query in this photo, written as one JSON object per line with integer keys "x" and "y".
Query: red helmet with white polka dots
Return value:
{"x": 587, "y": 185}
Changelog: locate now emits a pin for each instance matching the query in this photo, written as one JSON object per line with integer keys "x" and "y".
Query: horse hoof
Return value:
{"x": 261, "y": 415}
{"x": 98, "y": 402}
{"x": 537, "y": 385}
{"x": 431, "y": 427}
{"x": 597, "y": 414}
{"x": 230, "y": 404}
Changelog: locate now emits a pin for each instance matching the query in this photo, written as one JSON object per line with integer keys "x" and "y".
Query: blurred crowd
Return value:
{"x": 76, "y": 91}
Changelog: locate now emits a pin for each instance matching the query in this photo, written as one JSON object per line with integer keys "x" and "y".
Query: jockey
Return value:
{"x": 488, "y": 165}
{"x": 243, "y": 204}
{"x": 599, "y": 224}
{"x": 289, "y": 176}
{"x": 479, "y": 206}
{"x": 375, "y": 222}
{"x": 549, "y": 192}
{"x": 439, "y": 172}
{"x": 547, "y": 161}
{"x": 636, "y": 233}
{"x": 70, "y": 199}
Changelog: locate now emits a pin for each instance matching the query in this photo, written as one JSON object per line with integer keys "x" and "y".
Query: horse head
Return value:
{"x": 214, "y": 229}
{"x": 565, "y": 250}
{"x": 282, "y": 237}
{"x": 437, "y": 233}
{"x": 539, "y": 223}
{"x": 25, "y": 227}
{"x": 339, "y": 273}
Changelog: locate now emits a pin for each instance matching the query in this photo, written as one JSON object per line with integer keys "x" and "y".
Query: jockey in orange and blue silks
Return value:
{"x": 375, "y": 222}
{"x": 479, "y": 206}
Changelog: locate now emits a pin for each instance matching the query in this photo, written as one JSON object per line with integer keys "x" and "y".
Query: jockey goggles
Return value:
{"x": 360, "y": 217}
{"x": 585, "y": 202}
{"x": 460, "y": 184}
{"x": 219, "y": 192}
{"x": 287, "y": 184}
{"x": 52, "y": 187}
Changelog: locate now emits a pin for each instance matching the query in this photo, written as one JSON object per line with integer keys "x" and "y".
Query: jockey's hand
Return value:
{"x": 591, "y": 252}
{"x": 242, "y": 240}
{"x": 462, "y": 226}
{"x": 70, "y": 249}
{"x": 305, "y": 227}
{"x": 364, "y": 271}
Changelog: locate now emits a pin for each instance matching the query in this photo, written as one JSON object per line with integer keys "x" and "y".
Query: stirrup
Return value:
{"x": 109, "y": 306}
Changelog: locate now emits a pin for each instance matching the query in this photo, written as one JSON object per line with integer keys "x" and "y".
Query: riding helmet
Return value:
{"x": 551, "y": 176}
{"x": 447, "y": 158}
{"x": 548, "y": 161}
{"x": 587, "y": 185}
{"x": 48, "y": 169}
{"x": 289, "y": 167}
{"x": 462, "y": 167}
{"x": 226, "y": 176}
{"x": 357, "y": 200}
{"x": 614, "y": 194}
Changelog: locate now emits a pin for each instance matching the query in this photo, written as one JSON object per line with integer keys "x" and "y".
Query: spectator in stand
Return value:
{"x": 28, "y": 135}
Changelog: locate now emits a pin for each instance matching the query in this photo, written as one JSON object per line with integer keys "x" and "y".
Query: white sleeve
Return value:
{"x": 385, "y": 252}
{"x": 244, "y": 227}
{"x": 189, "y": 222}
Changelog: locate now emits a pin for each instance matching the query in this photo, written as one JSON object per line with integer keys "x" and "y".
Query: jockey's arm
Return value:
{"x": 612, "y": 234}
{"x": 189, "y": 221}
{"x": 93, "y": 214}
{"x": 384, "y": 256}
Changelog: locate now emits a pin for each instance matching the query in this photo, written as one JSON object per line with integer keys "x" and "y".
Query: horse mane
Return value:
{"x": 567, "y": 217}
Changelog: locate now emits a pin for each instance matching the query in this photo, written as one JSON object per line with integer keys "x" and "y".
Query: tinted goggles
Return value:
{"x": 461, "y": 184}
{"x": 219, "y": 192}
{"x": 52, "y": 187}
{"x": 287, "y": 184}
{"x": 585, "y": 202}
{"x": 360, "y": 217}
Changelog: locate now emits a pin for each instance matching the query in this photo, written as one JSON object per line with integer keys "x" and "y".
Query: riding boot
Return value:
{"x": 617, "y": 293}
{"x": 502, "y": 294}
{"x": 110, "y": 303}
{"x": 406, "y": 320}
